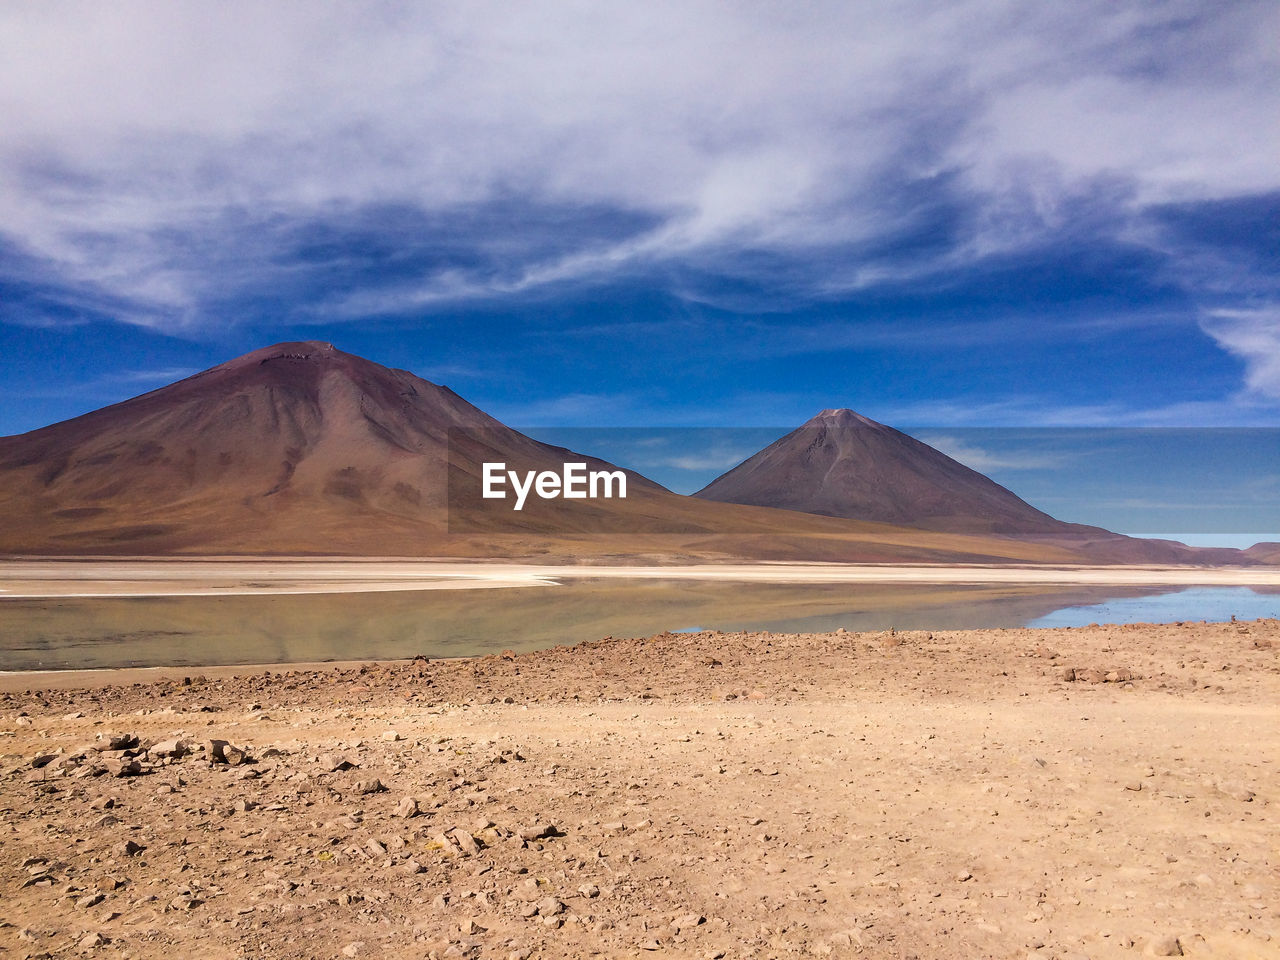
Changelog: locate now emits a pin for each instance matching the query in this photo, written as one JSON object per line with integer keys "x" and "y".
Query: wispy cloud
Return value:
{"x": 708, "y": 460}
{"x": 982, "y": 460}
{"x": 159, "y": 376}
{"x": 1252, "y": 335}
{"x": 907, "y": 138}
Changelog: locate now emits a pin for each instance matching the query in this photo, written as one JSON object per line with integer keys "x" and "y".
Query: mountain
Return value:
{"x": 842, "y": 464}
{"x": 302, "y": 449}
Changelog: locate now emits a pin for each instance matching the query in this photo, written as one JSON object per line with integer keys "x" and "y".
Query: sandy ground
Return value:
{"x": 1101, "y": 792}
{"x": 155, "y": 578}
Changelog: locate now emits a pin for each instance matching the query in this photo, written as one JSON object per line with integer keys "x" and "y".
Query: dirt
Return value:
{"x": 1096, "y": 792}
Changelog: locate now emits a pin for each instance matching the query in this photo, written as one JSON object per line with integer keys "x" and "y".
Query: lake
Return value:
{"x": 43, "y": 634}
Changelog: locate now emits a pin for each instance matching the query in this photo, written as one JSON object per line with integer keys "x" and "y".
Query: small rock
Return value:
{"x": 589, "y": 890}
{"x": 407, "y": 807}
{"x": 334, "y": 762}
{"x": 538, "y": 831}
{"x": 363, "y": 787}
{"x": 391, "y": 736}
{"x": 220, "y": 751}
{"x": 650, "y": 944}
{"x": 1235, "y": 790}
{"x": 549, "y": 907}
{"x": 353, "y": 949}
{"x": 130, "y": 848}
{"x": 123, "y": 767}
{"x": 92, "y": 941}
{"x": 172, "y": 749}
{"x": 465, "y": 841}
{"x": 1164, "y": 947}
{"x": 115, "y": 741}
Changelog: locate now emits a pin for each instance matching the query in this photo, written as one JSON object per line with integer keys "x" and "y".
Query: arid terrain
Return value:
{"x": 1100, "y": 792}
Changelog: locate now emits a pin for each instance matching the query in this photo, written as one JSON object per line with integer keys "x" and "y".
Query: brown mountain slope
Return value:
{"x": 300, "y": 448}
{"x": 842, "y": 464}
{"x": 1266, "y": 552}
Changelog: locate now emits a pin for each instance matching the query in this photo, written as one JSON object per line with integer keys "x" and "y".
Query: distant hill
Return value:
{"x": 1265, "y": 552}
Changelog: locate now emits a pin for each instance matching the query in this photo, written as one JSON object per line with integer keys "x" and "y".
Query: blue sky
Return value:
{"x": 962, "y": 214}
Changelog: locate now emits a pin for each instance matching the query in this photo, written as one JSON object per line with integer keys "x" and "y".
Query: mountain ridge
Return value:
{"x": 301, "y": 449}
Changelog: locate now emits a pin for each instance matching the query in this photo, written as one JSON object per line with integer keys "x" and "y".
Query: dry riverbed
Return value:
{"x": 1100, "y": 792}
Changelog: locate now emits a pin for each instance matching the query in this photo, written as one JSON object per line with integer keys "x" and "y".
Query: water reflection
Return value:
{"x": 52, "y": 634}
{"x": 1194, "y": 603}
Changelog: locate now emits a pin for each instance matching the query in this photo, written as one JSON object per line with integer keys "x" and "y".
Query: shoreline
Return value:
{"x": 104, "y": 579}
{"x": 88, "y": 678}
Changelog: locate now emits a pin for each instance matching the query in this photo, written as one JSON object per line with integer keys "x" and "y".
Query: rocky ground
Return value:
{"x": 1102, "y": 792}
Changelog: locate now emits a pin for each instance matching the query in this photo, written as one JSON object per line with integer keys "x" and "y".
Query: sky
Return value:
{"x": 973, "y": 213}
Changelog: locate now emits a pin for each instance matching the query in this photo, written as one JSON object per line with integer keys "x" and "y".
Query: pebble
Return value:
{"x": 1166, "y": 946}
{"x": 363, "y": 787}
{"x": 465, "y": 841}
{"x": 407, "y": 807}
{"x": 220, "y": 751}
{"x": 1235, "y": 790}
{"x": 538, "y": 831}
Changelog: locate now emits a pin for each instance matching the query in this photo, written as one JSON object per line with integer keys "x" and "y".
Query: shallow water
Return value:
{"x": 163, "y": 631}
{"x": 1195, "y": 603}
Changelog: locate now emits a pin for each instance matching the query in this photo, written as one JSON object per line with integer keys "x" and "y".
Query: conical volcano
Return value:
{"x": 297, "y": 447}
{"x": 842, "y": 464}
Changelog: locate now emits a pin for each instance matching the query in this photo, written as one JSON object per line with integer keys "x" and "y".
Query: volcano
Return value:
{"x": 294, "y": 448}
{"x": 842, "y": 464}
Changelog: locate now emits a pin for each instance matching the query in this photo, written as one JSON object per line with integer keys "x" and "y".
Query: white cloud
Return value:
{"x": 131, "y": 128}
{"x": 1254, "y": 337}
{"x": 708, "y": 460}
{"x": 982, "y": 460}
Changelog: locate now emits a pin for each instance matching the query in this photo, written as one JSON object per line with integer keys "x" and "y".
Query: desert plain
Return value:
{"x": 1103, "y": 791}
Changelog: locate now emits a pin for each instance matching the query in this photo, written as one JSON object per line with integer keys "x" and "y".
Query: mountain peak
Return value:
{"x": 843, "y": 464}
{"x": 844, "y": 417}
{"x": 287, "y": 350}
